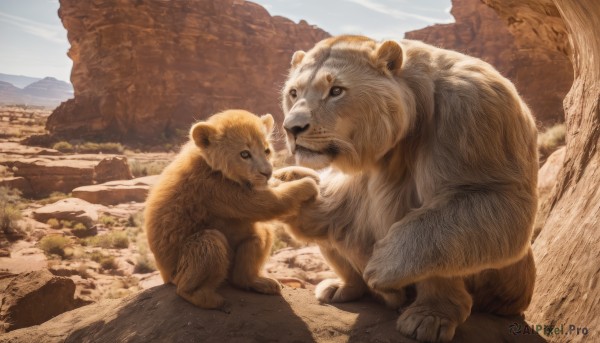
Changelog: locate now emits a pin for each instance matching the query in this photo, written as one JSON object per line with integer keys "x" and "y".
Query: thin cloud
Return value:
{"x": 51, "y": 33}
{"x": 381, "y": 8}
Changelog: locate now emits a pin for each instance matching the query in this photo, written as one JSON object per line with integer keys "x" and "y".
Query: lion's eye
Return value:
{"x": 245, "y": 154}
{"x": 293, "y": 93}
{"x": 267, "y": 151}
{"x": 336, "y": 91}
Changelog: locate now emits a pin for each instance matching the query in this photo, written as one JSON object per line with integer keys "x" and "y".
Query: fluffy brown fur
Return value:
{"x": 433, "y": 181}
{"x": 203, "y": 217}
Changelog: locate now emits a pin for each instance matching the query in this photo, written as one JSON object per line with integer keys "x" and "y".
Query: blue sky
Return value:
{"x": 34, "y": 42}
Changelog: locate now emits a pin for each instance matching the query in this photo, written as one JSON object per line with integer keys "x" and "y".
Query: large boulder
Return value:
{"x": 34, "y": 297}
{"x": 116, "y": 192}
{"x": 72, "y": 209}
{"x": 112, "y": 168}
{"x": 159, "y": 315}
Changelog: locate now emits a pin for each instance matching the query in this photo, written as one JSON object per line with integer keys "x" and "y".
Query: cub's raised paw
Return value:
{"x": 266, "y": 285}
{"x": 336, "y": 291}
{"x": 295, "y": 173}
{"x": 305, "y": 189}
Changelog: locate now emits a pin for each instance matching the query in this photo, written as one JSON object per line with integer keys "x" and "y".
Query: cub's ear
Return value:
{"x": 388, "y": 57}
{"x": 268, "y": 122}
{"x": 202, "y": 134}
{"x": 297, "y": 58}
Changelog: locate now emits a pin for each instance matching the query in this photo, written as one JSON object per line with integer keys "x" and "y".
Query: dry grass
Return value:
{"x": 54, "y": 245}
{"x": 550, "y": 140}
{"x": 112, "y": 240}
{"x": 140, "y": 168}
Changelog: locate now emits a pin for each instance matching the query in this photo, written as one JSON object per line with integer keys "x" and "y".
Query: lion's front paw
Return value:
{"x": 390, "y": 269}
{"x": 295, "y": 173}
{"x": 335, "y": 291}
{"x": 432, "y": 322}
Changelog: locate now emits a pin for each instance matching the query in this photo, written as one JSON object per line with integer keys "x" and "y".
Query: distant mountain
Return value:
{"x": 48, "y": 92}
{"x": 51, "y": 88}
{"x": 18, "y": 81}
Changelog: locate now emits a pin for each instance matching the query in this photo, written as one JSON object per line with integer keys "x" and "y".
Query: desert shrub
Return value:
{"x": 120, "y": 240}
{"x": 105, "y": 261}
{"x": 114, "y": 240}
{"x": 66, "y": 224}
{"x": 10, "y": 213}
{"x": 136, "y": 219}
{"x": 53, "y": 197}
{"x": 108, "y": 221}
{"x": 63, "y": 146}
{"x": 54, "y": 223}
{"x": 94, "y": 148}
{"x": 79, "y": 226}
{"x": 144, "y": 265}
{"x": 141, "y": 168}
{"x": 551, "y": 139}
{"x": 54, "y": 244}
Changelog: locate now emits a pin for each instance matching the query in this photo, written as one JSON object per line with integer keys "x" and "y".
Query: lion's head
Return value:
{"x": 236, "y": 143}
{"x": 343, "y": 103}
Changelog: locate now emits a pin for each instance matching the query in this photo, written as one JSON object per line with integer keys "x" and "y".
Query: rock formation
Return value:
{"x": 567, "y": 250}
{"x": 144, "y": 70}
{"x": 158, "y": 315}
{"x": 33, "y": 298}
{"x": 542, "y": 74}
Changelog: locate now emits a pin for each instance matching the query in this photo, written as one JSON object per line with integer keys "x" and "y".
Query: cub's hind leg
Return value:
{"x": 202, "y": 267}
{"x": 250, "y": 256}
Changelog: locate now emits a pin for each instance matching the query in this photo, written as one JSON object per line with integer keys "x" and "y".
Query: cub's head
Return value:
{"x": 236, "y": 143}
{"x": 344, "y": 104}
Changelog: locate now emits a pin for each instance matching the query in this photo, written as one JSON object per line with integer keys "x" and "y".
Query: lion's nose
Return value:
{"x": 296, "y": 130}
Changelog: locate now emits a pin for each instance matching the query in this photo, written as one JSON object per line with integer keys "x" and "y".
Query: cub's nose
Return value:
{"x": 267, "y": 173}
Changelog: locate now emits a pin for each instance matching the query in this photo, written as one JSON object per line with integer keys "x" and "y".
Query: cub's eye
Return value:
{"x": 245, "y": 154}
{"x": 267, "y": 151}
{"x": 336, "y": 91}
{"x": 293, "y": 93}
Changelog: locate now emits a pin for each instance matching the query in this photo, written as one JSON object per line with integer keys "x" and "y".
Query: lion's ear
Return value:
{"x": 202, "y": 134}
{"x": 268, "y": 122}
{"x": 388, "y": 56}
{"x": 297, "y": 58}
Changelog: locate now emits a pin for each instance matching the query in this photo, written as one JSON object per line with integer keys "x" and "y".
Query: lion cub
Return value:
{"x": 203, "y": 217}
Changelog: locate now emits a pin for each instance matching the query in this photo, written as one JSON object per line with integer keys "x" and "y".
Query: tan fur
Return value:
{"x": 203, "y": 217}
{"x": 433, "y": 179}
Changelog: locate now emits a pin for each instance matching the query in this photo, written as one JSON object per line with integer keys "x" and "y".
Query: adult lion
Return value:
{"x": 433, "y": 182}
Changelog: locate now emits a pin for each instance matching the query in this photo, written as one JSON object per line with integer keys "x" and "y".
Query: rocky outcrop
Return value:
{"x": 40, "y": 176}
{"x": 158, "y": 315}
{"x": 34, "y": 297}
{"x": 116, "y": 192}
{"x": 542, "y": 74}
{"x": 567, "y": 249}
{"x": 143, "y": 70}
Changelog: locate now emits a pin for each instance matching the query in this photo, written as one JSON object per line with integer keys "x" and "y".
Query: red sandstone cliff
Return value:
{"x": 144, "y": 69}
{"x": 541, "y": 73}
